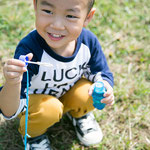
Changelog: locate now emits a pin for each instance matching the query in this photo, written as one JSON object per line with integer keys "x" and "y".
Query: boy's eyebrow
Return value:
{"x": 73, "y": 10}
{"x": 46, "y": 3}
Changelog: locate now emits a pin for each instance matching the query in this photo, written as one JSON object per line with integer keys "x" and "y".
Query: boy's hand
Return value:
{"x": 109, "y": 95}
{"x": 14, "y": 69}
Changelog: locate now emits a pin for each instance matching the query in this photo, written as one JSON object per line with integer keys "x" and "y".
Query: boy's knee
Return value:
{"x": 51, "y": 110}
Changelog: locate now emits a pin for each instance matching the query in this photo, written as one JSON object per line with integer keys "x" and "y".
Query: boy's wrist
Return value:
{"x": 8, "y": 83}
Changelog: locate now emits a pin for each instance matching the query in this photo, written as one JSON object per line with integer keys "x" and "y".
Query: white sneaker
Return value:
{"x": 38, "y": 143}
{"x": 87, "y": 129}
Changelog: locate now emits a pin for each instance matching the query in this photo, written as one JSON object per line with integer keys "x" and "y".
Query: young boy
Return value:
{"x": 66, "y": 87}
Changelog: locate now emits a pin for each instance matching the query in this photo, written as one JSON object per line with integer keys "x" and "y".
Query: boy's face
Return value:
{"x": 60, "y": 22}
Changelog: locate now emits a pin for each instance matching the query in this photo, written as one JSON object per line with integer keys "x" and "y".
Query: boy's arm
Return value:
{"x": 98, "y": 70}
{"x": 10, "y": 99}
{"x": 10, "y": 93}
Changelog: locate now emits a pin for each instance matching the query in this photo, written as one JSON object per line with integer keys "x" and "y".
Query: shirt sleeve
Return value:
{"x": 97, "y": 68}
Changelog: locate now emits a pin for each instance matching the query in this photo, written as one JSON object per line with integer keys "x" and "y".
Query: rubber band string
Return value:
{"x": 25, "y": 59}
{"x": 26, "y": 114}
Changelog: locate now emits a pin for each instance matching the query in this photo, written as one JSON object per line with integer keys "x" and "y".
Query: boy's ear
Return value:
{"x": 89, "y": 17}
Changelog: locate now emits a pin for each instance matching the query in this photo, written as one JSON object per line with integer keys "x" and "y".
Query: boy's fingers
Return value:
{"x": 111, "y": 103}
{"x": 30, "y": 55}
{"x": 108, "y": 92}
{"x": 13, "y": 68}
{"x": 108, "y": 99}
{"x": 15, "y": 62}
{"x": 91, "y": 89}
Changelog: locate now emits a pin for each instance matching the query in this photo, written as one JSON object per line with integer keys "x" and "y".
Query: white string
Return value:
{"x": 40, "y": 63}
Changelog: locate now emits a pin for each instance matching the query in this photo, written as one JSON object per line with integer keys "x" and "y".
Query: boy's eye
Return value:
{"x": 47, "y": 11}
{"x": 71, "y": 16}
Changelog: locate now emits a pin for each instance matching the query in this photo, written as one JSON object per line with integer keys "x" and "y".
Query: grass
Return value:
{"x": 123, "y": 29}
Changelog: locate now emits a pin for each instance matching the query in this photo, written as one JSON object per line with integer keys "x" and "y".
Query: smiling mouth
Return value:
{"x": 55, "y": 37}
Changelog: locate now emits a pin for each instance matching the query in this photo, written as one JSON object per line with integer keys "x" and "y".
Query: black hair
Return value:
{"x": 90, "y": 4}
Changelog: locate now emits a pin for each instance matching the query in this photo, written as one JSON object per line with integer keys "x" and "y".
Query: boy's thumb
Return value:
{"x": 30, "y": 55}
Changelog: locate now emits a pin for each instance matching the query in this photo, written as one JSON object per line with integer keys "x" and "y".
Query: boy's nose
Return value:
{"x": 57, "y": 24}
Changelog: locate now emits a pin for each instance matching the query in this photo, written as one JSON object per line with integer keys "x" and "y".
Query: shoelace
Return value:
{"x": 43, "y": 145}
{"x": 87, "y": 123}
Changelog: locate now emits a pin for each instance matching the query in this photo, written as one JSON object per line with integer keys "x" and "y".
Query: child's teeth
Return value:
{"x": 55, "y": 35}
